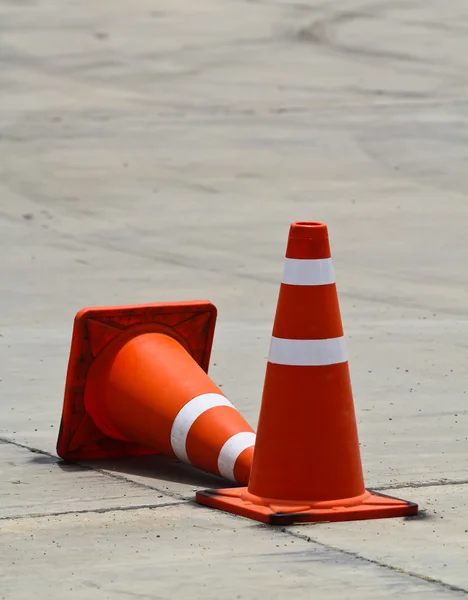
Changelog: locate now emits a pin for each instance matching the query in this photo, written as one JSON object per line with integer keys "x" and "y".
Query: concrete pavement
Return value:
{"x": 158, "y": 151}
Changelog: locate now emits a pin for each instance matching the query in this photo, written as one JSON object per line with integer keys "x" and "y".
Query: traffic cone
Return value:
{"x": 307, "y": 464}
{"x": 137, "y": 384}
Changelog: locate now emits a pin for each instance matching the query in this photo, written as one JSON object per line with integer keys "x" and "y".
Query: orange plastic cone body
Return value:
{"x": 145, "y": 389}
{"x": 307, "y": 464}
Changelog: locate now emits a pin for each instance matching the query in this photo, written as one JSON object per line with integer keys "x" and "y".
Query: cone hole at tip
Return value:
{"x": 308, "y": 224}
{"x": 308, "y": 230}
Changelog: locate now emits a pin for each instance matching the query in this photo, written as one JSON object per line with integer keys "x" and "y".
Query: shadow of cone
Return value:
{"x": 137, "y": 384}
{"x": 307, "y": 464}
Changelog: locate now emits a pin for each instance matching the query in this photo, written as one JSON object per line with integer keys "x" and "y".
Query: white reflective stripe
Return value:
{"x": 308, "y": 353}
{"x": 231, "y": 451}
{"x": 187, "y": 416}
{"x": 317, "y": 271}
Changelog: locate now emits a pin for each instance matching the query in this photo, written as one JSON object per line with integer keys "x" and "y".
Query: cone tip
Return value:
{"x": 308, "y": 230}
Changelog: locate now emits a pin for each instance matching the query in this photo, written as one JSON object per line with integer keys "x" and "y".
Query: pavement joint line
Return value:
{"x": 396, "y": 486}
{"x": 356, "y": 555}
{"x": 90, "y": 510}
{"x": 137, "y": 484}
{"x": 421, "y": 484}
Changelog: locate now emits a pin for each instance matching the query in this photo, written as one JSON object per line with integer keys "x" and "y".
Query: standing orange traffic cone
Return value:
{"x": 307, "y": 464}
{"x": 137, "y": 384}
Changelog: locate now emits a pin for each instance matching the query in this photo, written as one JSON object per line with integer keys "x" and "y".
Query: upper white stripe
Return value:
{"x": 308, "y": 353}
{"x": 186, "y": 417}
{"x": 231, "y": 451}
{"x": 317, "y": 271}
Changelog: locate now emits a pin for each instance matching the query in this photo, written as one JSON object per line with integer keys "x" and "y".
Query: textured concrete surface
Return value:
{"x": 183, "y": 551}
{"x": 158, "y": 151}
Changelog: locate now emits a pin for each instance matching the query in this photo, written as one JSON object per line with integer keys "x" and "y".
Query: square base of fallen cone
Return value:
{"x": 190, "y": 323}
{"x": 375, "y": 506}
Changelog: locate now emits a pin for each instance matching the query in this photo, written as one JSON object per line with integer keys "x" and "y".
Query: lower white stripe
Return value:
{"x": 186, "y": 417}
{"x": 231, "y": 451}
{"x": 317, "y": 271}
{"x": 308, "y": 353}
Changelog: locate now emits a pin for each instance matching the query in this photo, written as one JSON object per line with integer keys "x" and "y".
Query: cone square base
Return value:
{"x": 190, "y": 323}
{"x": 375, "y": 506}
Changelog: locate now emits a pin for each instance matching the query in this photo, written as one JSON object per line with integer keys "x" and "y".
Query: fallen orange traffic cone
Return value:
{"x": 137, "y": 384}
{"x": 307, "y": 464}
